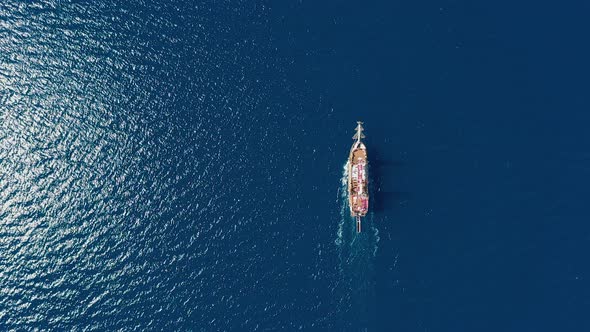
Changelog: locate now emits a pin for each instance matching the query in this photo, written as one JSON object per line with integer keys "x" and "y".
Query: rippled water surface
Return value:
{"x": 141, "y": 179}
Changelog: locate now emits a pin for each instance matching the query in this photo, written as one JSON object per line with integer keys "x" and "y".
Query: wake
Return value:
{"x": 356, "y": 253}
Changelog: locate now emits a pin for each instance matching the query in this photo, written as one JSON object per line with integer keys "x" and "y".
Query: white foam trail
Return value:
{"x": 342, "y": 199}
{"x": 375, "y": 233}
{"x": 356, "y": 253}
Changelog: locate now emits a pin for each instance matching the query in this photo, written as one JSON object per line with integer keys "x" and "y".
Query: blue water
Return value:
{"x": 177, "y": 165}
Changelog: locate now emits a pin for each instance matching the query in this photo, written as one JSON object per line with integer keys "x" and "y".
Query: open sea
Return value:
{"x": 173, "y": 165}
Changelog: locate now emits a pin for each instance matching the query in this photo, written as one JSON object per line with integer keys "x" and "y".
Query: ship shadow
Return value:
{"x": 382, "y": 176}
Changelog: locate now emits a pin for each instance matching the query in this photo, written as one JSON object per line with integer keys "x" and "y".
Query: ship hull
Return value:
{"x": 358, "y": 193}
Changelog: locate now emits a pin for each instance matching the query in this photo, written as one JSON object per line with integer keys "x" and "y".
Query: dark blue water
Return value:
{"x": 177, "y": 165}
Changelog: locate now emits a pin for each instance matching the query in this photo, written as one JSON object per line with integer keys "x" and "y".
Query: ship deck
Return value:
{"x": 357, "y": 190}
{"x": 359, "y": 154}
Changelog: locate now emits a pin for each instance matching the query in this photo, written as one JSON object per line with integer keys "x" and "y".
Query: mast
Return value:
{"x": 359, "y": 132}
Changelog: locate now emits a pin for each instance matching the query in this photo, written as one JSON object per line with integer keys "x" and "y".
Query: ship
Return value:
{"x": 358, "y": 189}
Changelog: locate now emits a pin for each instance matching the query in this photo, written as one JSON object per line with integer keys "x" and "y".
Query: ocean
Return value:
{"x": 181, "y": 166}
